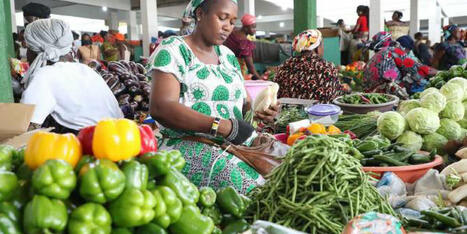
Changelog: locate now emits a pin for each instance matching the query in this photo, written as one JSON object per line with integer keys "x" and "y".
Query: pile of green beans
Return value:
{"x": 318, "y": 188}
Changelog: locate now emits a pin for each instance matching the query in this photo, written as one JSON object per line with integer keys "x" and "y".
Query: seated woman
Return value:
{"x": 88, "y": 52}
{"x": 391, "y": 70}
{"x": 308, "y": 75}
{"x": 451, "y": 51}
{"x": 67, "y": 96}
{"x": 198, "y": 90}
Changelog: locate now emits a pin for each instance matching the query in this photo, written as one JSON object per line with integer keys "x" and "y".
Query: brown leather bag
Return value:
{"x": 263, "y": 155}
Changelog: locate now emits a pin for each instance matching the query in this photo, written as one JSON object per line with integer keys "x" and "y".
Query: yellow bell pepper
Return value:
{"x": 116, "y": 139}
{"x": 45, "y": 145}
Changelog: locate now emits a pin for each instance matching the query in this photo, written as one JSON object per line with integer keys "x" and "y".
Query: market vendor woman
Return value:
{"x": 198, "y": 90}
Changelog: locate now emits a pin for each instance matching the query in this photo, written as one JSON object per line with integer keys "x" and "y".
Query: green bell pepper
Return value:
{"x": 214, "y": 213}
{"x": 43, "y": 214}
{"x": 6, "y": 156}
{"x": 85, "y": 159}
{"x": 133, "y": 208}
{"x": 192, "y": 221}
{"x": 122, "y": 231}
{"x": 168, "y": 208}
{"x": 150, "y": 228}
{"x": 9, "y": 218}
{"x": 90, "y": 218}
{"x": 236, "y": 227}
{"x": 185, "y": 190}
{"x": 22, "y": 194}
{"x": 159, "y": 163}
{"x": 136, "y": 175}
{"x": 230, "y": 201}
{"x": 54, "y": 179}
{"x": 24, "y": 172}
{"x": 216, "y": 230}
{"x": 101, "y": 181}
{"x": 8, "y": 185}
{"x": 207, "y": 196}
{"x": 17, "y": 159}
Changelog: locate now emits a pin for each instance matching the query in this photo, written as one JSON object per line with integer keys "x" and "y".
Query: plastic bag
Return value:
{"x": 430, "y": 184}
{"x": 391, "y": 184}
{"x": 420, "y": 203}
{"x": 373, "y": 222}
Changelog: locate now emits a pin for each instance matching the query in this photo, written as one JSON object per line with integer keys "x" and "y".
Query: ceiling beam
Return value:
{"x": 273, "y": 18}
{"x": 114, "y": 4}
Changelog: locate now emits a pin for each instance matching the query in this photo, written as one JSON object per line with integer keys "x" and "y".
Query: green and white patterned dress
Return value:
{"x": 214, "y": 90}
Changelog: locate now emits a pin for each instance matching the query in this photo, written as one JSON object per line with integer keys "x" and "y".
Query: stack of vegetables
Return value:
{"x": 129, "y": 84}
{"x": 362, "y": 125}
{"x": 314, "y": 128}
{"x": 352, "y": 74}
{"x": 444, "y": 76}
{"x": 318, "y": 188}
{"x": 125, "y": 187}
{"x": 365, "y": 98}
{"x": 430, "y": 122}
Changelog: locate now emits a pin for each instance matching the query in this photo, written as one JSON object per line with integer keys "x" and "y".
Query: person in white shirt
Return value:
{"x": 67, "y": 95}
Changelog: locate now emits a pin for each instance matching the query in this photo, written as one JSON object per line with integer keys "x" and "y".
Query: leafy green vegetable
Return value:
{"x": 461, "y": 82}
{"x": 433, "y": 101}
{"x": 434, "y": 141}
{"x": 450, "y": 129}
{"x": 407, "y": 105}
{"x": 411, "y": 140}
{"x": 391, "y": 124}
{"x": 454, "y": 110}
{"x": 428, "y": 91}
{"x": 423, "y": 121}
{"x": 452, "y": 92}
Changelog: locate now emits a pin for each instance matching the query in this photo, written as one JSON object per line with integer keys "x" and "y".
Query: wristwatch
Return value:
{"x": 215, "y": 126}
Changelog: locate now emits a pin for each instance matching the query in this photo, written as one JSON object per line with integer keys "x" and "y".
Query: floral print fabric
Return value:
{"x": 308, "y": 76}
{"x": 393, "y": 65}
{"x": 213, "y": 90}
{"x": 453, "y": 55}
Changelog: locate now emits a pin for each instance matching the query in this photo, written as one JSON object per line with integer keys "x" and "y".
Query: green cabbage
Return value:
{"x": 461, "y": 82}
{"x": 428, "y": 91}
{"x": 434, "y": 101}
{"x": 407, "y": 105}
{"x": 452, "y": 92}
{"x": 453, "y": 110}
{"x": 391, "y": 124}
{"x": 411, "y": 140}
{"x": 422, "y": 120}
{"x": 463, "y": 123}
{"x": 450, "y": 129}
{"x": 434, "y": 141}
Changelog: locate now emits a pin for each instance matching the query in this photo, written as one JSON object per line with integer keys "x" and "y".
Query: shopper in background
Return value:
{"x": 243, "y": 48}
{"x": 451, "y": 51}
{"x": 110, "y": 50}
{"x": 391, "y": 70}
{"x": 23, "y": 50}
{"x": 198, "y": 86}
{"x": 361, "y": 28}
{"x": 422, "y": 49}
{"x": 344, "y": 41}
{"x": 67, "y": 96}
{"x": 396, "y": 27}
{"x": 407, "y": 44}
{"x": 88, "y": 52}
{"x": 308, "y": 75}
{"x": 76, "y": 42}
{"x": 123, "y": 48}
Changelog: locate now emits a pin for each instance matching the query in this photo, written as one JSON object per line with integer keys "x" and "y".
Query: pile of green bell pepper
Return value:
{"x": 147, "y": 194}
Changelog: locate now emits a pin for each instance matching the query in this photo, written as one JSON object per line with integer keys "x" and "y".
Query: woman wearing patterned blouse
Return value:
{"x": 391, "y": 70}
{"x": 308, "y": 75}
{"x": 451, "y": 52}
{"x": 198, "y": 90}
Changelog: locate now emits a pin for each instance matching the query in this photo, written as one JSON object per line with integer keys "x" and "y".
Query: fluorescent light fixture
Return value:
{"x": 104, "y": 8}
{"x": 259, "y": 17}
{"x": 281, "y": 24}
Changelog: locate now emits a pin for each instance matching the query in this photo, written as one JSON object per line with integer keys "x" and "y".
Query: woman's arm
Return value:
{"x": 439, "y": 53}
{"x": 251, "y": 66}
{"x": 166, "y": 109}
{"x": 357, "y": 26}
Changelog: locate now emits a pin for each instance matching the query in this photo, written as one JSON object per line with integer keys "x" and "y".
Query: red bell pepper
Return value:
{"x": 148, "y": 141}
{"x": 85, "y": 137}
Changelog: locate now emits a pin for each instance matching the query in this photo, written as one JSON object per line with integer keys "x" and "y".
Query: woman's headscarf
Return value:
{"x": 193, "y": 5}
{"x": 248, "y": 20}
{"x": 406, "y": 42}
{"x": 448, "y": 31}
{"x": 380, "y": 40}
{"x": 307, "y": 40}
{"x": 50, "y": 39}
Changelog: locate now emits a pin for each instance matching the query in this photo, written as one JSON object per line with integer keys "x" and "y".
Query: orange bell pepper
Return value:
{"x": 333, "y": 130}
{"x": 292, "y": 138}
{"x": 45, "y": 145}
{"x": 317, "y": 128}
{"x": 116, "y": 139}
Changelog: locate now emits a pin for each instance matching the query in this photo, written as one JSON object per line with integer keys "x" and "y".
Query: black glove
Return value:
{"x": 241, "y": 131}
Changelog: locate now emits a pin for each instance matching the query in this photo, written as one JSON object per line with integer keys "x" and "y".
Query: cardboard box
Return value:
{"x": 14, "y": 123}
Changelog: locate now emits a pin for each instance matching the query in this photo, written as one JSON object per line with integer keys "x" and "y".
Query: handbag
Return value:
{"x": 264, "y": 154}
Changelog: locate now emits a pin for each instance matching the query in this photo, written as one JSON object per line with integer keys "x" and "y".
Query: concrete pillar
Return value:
{"x": 132, "y": 26}
{"x": 13, "y": 16}
{"x": 319, "y": 21}
{"x": 376, "y": 17}
{"x": 414, "y": 17}
{"x": 304, "y": 15}
{"x": 149, "y": 20}
{"x": 434, "y": 22}
{"x": 445, "y": 21}
{"x": 249, "y": 6}
{"x": 6, "y": 51}
{"x": 112, "y": 20}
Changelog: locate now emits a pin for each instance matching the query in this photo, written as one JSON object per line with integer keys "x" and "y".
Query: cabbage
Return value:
{"x": 391, "y": 124}
{"x": 411, "y": 140}
{"x": 450, "y": 129}
{"x": 453, "y": 110}
{"x": 422, "y": 121}
{"x": 428, "y": 91}
{"x": 433, "y": 101}
{"x": 434, "y": 141}
{"x": 461, "y": 82}
{"x": 463, "y": 123}
{"x": 407, "y": 105}
{"x": 452, "y": 92}
{"x": 465, "y": 108}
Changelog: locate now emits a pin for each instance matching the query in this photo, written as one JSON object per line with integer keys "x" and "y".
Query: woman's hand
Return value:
{"x": 269, "y": 115}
